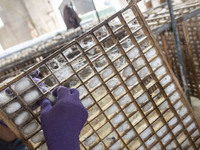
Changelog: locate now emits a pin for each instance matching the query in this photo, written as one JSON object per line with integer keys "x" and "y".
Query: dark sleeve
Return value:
{"x": 15, "y": 145}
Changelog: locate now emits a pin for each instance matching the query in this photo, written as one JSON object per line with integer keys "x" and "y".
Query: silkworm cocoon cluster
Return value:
{"x": 31, "y": 96}
{"x": 107, "y": 72}
{"x": 112, "y": 82}
{"x": 138, "y": 63}
{"x": 123, "y": 127}
{"x": 133, "y": 53}
{"x": 116, "y": 146}
{"x": 174, "y": 97}
{"x": 151, "y": 53}
{"x": 156, "y": 63}
{"x": 143, "y": 98}
{"x": 112, "y": 109}
{"x": 21, "y": 118}
{"x": 87, "y": 102}
{"x": 187, "y": 119}
{"x": 4, "y": 98}
{"x": 130, "y": 108}
{"x": 166, "y": 138}
{"x": 38, "y": 137}
{"x": 118, "y": 91}
{"x": 145, "y": 133}
{"x": 162, "y": 131}
{"x": 13, "y": 107}
{"x": 165, "y": 80}
{"x": 177, "y": 129}
{"x": 30, "y": 128}
{"x": 94, "y": 82}
{"x": 127, "y": 71}
{"x": 131, "y": 81}
{"x": 161, "y": 71}
{"x": 129, "y": 135}
{"x": 90, "y": 140}
{"x": 173, "y": 121}
{"x": 22, "y": 85}
{"x": 144, "y": 72}
{"x": 124, "y": 100}
{"x": 170, "y": 89}
{"x": 117, "y": 119}
{"x": 150, "y": 141}
{"x": 98, "y": 147}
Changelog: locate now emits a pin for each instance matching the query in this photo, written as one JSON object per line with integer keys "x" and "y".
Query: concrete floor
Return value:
{"x": 196, "y": 106}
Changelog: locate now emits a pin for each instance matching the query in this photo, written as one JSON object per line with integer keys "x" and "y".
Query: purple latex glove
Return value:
{"x": 63, "y": 122}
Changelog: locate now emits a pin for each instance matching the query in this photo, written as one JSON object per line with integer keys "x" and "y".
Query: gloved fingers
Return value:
{"x": 46, "y": 105}
{"x": 35, "y": 73}
{"x": 61, "y": 91}
{"x": 74, "y": 92}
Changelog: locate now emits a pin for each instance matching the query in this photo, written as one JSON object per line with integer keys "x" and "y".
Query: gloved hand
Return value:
{"x": 63, "y": 122}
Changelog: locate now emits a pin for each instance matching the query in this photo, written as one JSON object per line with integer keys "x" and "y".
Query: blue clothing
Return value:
{"x": 14, "y": 145}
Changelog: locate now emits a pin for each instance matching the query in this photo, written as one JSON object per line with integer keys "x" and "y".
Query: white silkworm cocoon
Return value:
{"x": 98, "y": 147}
{"x": 164, "y": 105}
{"x": 138, "y": 63}
{"x": 144, "y": 72}
{"x": 147, "y": 107}
{"x": 112, "y": 109}
{"x": 3, "y": 98}
{"x": 87, "y": 102}
{"x": 183, "y": 111}
{"x": 151, "y": 53}
{"x": 161, "y": 71}
{"x": 145, "y": 133}
{"x": 177, "y": 129}
{"x": 127, "y": 71}
{"x": 118, "y": 91}
{"x": 170, "y": 89}
{"x": 143, "y": 98}
{"x": 113, "y": 82}
{"x": 172, "y": 121}
{"x": 38, "y": 137}
{"x": 90, "y": 140}
{"x": 124, "y": 100}
{"x": 195, "y": 134}
{"x": 166, "y": 138}
{"x": 93, "y": 82}
{"x": 107, "y": 72}
{"x": 178, "y": 105}
{"x": 165, "y": 80}
{"x": 156, "y": 63}
{"x": 31, "y": 96}
{"x": 150, "y": 141}
{"x": 82, "y": 91}
{"x": 43, "y": 147}
{"x": 162, "y": 131}
{"x": 117, "y": 119}
{"x": 130, "y": 108}
{"x": 21, "y": 118}
{"x": 171, "y": 146}
{"x": 187, "y": 119}
{"x": 116, "y": 146}
{"x": 123, "y": 127}
{"x": 174, "y": 97}
{"x": 132, "y": 81}
{"x": 13, "y": 107}
{"x": 22, "y": 85}
{"x": 30, "y": 128}
{"x": 129, "y": 135}
{"x": 133, "y": 53}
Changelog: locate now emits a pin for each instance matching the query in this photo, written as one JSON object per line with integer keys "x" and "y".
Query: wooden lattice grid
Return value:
{"x": 132, "y": 96}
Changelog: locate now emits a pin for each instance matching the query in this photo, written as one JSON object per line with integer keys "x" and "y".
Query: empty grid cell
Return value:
{"x": 72, "y": 82}
{"x": 87, "y": 42}
{"x": 85, "y": 73}
{"x": 101, "y": 33}
{"x": 128, "y": 15}
{"x": 72, "y": 52}
{"x": 105, "y": 102}
{"x": 115, "y": 24}
{"x": 126, "y": 44}
{"x": 100, "y": 63}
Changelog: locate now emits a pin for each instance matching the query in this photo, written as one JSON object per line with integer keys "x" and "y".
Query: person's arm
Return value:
{"x": 6, "y": 134}
{"x": 63, "y": 122}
